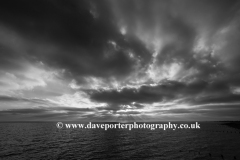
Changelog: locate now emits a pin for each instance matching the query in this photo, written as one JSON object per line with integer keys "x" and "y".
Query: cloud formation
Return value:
{"x": 110, "y": 60}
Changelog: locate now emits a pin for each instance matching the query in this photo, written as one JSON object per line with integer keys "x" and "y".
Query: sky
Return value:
{"x": 119, "y": 60}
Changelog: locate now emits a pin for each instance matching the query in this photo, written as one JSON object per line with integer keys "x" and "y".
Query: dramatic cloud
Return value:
{"x": 114, "y": 60}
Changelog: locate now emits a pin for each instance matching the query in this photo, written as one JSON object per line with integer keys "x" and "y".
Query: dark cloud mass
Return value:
{"x": 106, "y": 59}
{"x": 85, "y": 45}
{"x": 168, "y": 90}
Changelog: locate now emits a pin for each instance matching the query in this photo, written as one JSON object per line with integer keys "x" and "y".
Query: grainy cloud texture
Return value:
{"x": 119, "y": 60}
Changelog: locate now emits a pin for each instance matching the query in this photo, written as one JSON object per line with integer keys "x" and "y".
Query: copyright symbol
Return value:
{"x": 59, "y": 125}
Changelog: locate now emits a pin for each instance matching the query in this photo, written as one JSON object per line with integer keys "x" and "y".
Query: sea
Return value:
{"x": 44, "y": 141}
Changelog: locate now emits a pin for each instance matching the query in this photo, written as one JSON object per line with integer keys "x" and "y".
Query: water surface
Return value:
{"x": 45, "y": 141}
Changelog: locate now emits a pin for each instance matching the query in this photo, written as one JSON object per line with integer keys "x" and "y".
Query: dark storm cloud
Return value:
{"x": 84, "y": 42}
{"x": 145, "y": 94}
{"x": 186, "y": 27}
{"x": 185, "y": 21}
{"x": 116, "y": 43}
{"x": 84, "y": 38}
{"x": 6, "y": 98}
{"x": 8, "y": 58}
{"x": 167, "y": 91}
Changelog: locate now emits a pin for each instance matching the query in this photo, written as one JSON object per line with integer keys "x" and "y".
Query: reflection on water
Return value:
{"x": 45, "y": 141}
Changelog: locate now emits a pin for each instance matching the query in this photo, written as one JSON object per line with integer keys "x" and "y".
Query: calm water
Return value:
{"x": 45, "y": 141}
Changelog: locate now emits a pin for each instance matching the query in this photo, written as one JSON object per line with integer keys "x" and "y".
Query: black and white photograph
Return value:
{"x": 120, "y": 79}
